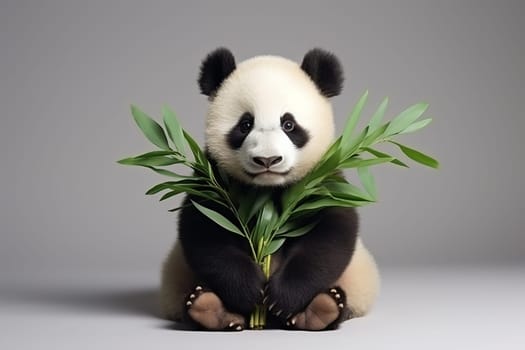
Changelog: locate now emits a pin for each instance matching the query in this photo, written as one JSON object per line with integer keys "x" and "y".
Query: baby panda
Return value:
{"x": 268, "y": 124}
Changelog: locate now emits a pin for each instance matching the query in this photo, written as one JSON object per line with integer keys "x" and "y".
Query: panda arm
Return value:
{"x": 313, "y": 262}
{"x": 221, "y": 261}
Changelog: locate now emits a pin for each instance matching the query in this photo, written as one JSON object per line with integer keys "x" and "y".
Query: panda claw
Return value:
{"x": 192, "y": 296}
{"x": 198, "y": 288}
{"x": 189, "y": 303}
{"x": 278, "y": 313}
{"x": 238, "y": 328}
{"x": 340, "y": 305}
{"x": 231, "y": 325}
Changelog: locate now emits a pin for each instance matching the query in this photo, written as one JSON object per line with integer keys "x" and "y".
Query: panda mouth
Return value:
{"x": 268, "y": 172}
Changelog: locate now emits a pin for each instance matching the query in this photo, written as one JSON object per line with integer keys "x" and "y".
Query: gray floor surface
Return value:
{"x": 424, "y": 308}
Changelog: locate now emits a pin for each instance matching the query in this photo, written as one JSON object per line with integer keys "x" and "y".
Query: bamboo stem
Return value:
{"x": 258, "y": 317}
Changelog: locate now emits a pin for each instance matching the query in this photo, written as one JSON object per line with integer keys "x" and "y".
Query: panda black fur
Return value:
{"x": 269, "y": 123}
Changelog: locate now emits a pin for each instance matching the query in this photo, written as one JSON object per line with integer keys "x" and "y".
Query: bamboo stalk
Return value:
{"x": 258, "y": 317}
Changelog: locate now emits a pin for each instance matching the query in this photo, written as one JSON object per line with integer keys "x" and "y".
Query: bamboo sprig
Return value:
{"x": 255, "y": 215}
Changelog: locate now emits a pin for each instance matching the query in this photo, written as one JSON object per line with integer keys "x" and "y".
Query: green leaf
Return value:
{"x": 168, "y": 173}
{"x": 150, "y": 161}
{"x": 273, "y": 246}
{"x": 198, "y": 155}
{"x": 218, "y": 218}
{"x": 353, "y": 119}
{"x": 170, "y": 194}
{"x": 174, "y": 129}
{"x": 367, "y": 179}
{"x": 375, "y": 121}
{"x": 405, "y": 118}
{"x": 345, "y": 190}
{"x": 150, "y": 128}
{"x": 358, "y": 162}
{"x": 154, "y": 154}
{"x": 179, "y": 208}
{"x": 327, "y": 167}
{"x": 384, "y": 155}
{"x": 376, "y": 136}
{"x": 417, "y": 156}
{"x": 351, "y": 148}
{"x": 299, "y": 231}
{"x": 420, "y": 124}
{"x": 267, "y": 219}
{"x": 256, "y": 204}
{"x": 161, "y": 187}
{"x": 328, "y": 202}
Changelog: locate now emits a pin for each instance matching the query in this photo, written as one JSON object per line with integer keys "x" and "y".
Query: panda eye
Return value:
{"x": 288, "y": 126}
{"x": 245, "y": 126}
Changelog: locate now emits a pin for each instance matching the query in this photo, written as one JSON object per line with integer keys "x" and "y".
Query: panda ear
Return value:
{"x": 325, "y": 70}
{"x": 216, "y": 67}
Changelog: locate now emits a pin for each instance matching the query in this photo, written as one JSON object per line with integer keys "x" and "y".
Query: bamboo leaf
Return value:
{"x": 267, "y": 218}
{"x": 161, "y": 187}
{"x": 384, "y": 155}
{"x": 198, "y": 155}
{"x": 218, "y": 218}
{"x": 417, "y": 156}
{"x": 154, "y": 154}
{"x": 353, "y": 119}
{"x": 420, "y": 124}
{"x": 150, "y": 161}
{"x": 179, "y": 208}
{"x": 167, "y": 173}
{"x": 367, "y": 179}
{"x": 174, "y": 129}
{"x": 273, "y": 246}
{"x": 190, "y": 183}
{"x": 352, "y": 147}
{"x": 405, "y": 118}
{"x": 170, "y": 194}
{"x": 150, "y": 128}
{"x": 345, "y": 190}
{"x": 299, "y": 231}
{"x": 258, "y": 202}
{"x": 328, "y": 202}
{"x": 358, "y": 162}
{"x": 376, "y": 119}
{"x": 376, "y": 136}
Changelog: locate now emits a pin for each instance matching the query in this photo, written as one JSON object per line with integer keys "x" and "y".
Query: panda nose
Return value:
{"x": 267, "y": 162}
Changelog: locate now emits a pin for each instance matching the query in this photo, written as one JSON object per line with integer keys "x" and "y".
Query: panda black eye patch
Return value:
{"x": 239, "y": 132}
{"x": 294, "y": 131}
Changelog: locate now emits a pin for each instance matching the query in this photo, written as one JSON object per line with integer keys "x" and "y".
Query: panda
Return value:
{"x": 269, "y": 123}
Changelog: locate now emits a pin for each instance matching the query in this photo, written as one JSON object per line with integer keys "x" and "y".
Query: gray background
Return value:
{"x": 70, "y": 69}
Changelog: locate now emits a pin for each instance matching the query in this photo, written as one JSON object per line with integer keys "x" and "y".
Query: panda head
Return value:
{"x": 269, "y": 120}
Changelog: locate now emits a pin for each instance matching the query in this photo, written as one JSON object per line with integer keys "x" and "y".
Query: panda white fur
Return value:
{"x": 269, "y": 122}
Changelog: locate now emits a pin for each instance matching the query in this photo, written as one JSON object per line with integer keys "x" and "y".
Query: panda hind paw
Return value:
{"x": 206, "y": 309}
{"x": 326, "y": 311}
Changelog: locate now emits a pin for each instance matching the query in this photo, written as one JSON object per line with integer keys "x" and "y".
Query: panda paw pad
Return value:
{"x": 206, "y": 309}
{"x": 325, "y": 311}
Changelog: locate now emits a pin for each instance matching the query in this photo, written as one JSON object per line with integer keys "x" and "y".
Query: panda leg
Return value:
{"x": 360, "y": 281}
{"x": 326, "y": 311}
{"x": 206, "y": 309}
{"x": 177, "y": 280}
{"x": 357, "y": 290}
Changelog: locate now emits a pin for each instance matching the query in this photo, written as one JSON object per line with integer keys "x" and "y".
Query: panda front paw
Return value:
{"x": 284, "y": 299}
{"x": 244, "y": 289}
